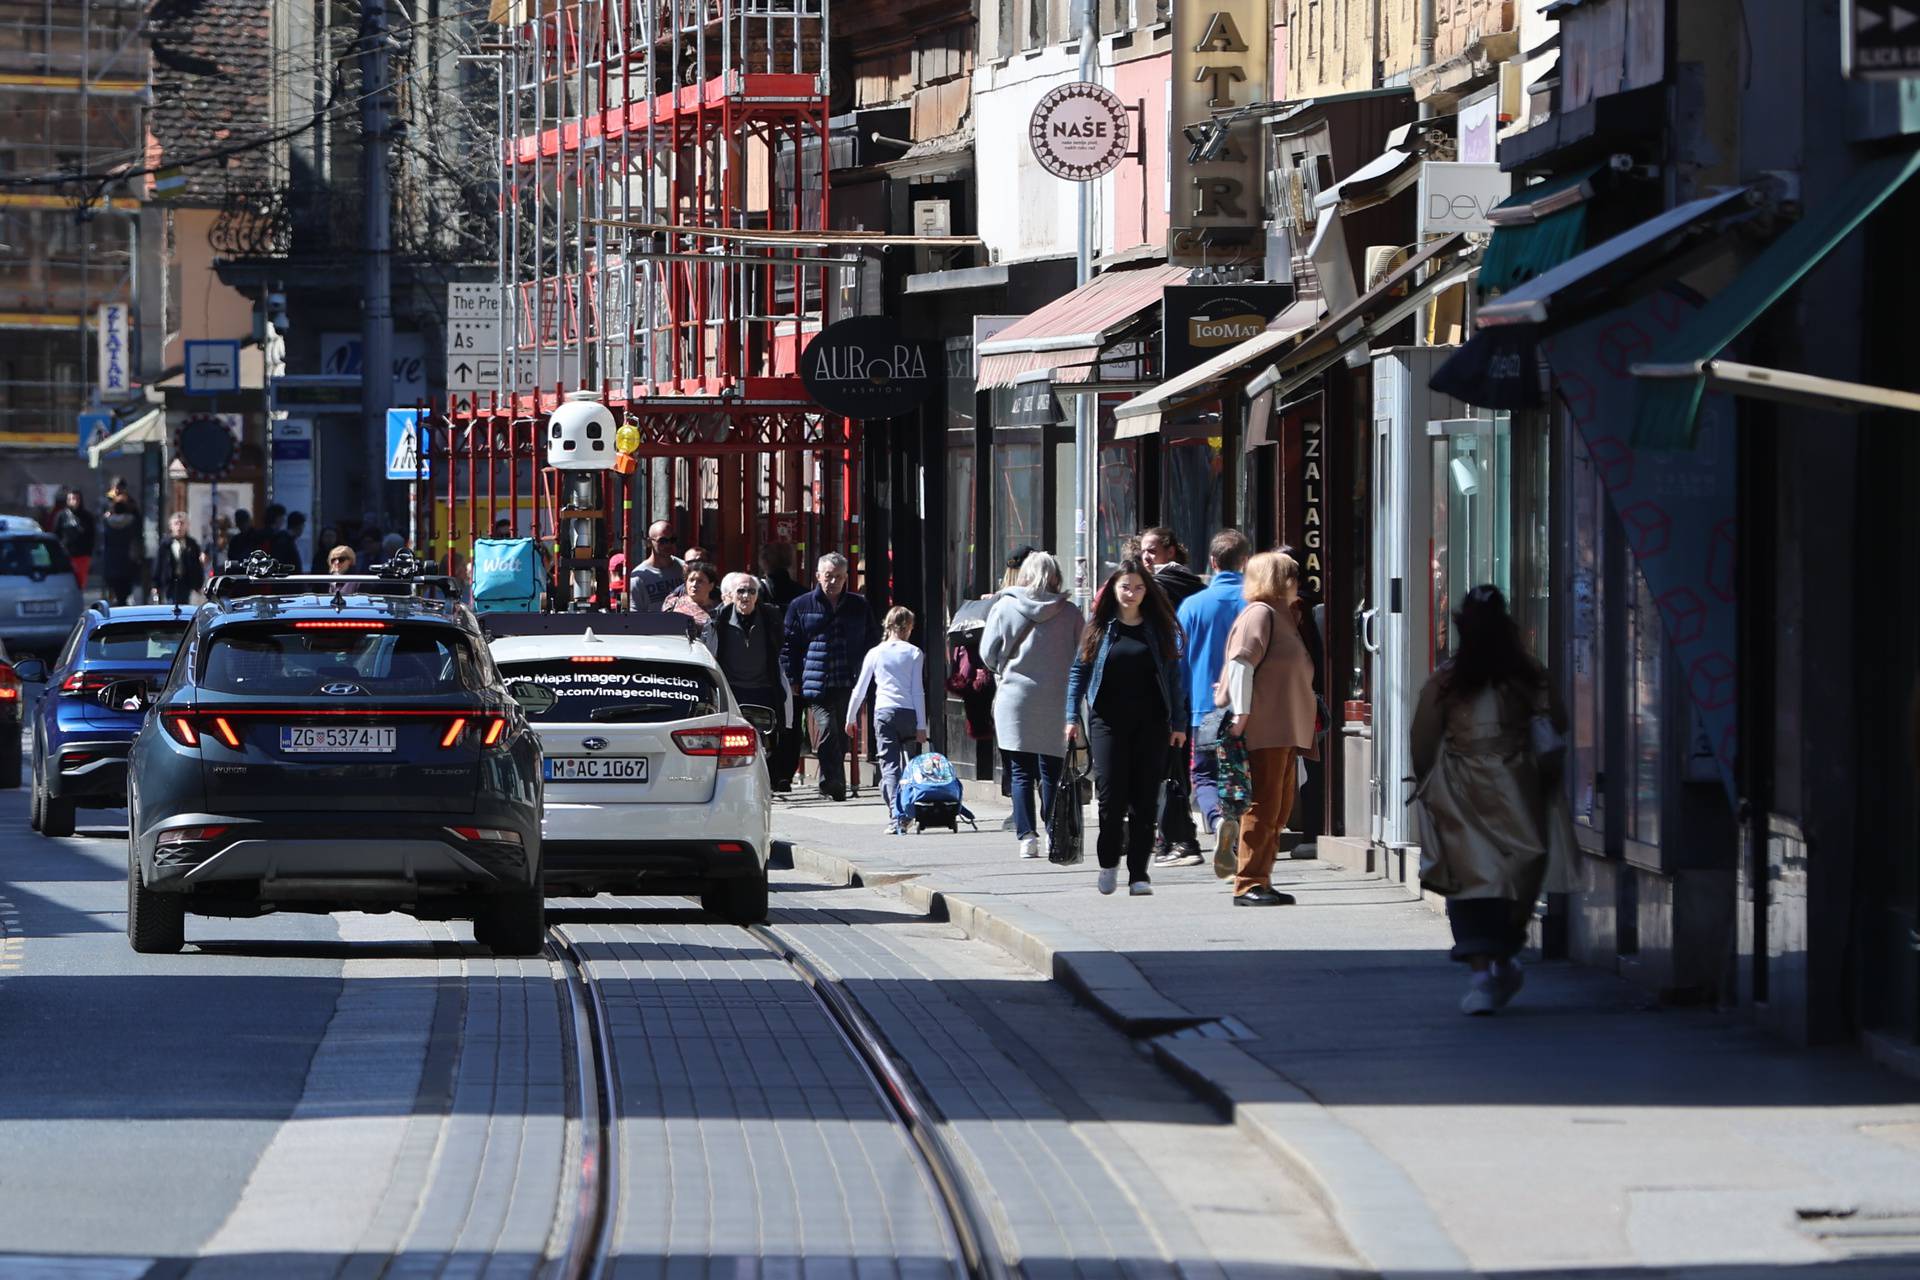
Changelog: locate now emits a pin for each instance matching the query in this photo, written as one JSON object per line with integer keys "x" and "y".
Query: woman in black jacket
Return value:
{"x": 747, "y": 631}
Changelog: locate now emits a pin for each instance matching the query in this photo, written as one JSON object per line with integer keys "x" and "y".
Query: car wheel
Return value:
{"x": 156, "y": 922}
{"x": 741, "y": 901}
{"x": 9, "y": 757}
{"x": 56, "y": 815}
{"x": 513, "y": 924}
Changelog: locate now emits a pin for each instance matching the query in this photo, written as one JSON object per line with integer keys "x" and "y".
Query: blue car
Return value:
{"x": 79, "y": 753}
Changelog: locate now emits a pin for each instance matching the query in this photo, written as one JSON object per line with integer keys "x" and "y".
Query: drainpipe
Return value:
{"x": 1428, "y": 25}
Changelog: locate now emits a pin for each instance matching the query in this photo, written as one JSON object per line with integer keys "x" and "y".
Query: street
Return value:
{"x": 368, "y": 1095}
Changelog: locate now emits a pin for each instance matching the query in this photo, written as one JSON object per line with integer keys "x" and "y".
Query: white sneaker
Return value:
{"x": 1109, "y": 879}
{"x": 1030, "y": 847}
{"x": 1480, "y": 998}
{"x": 1140, "y": 889}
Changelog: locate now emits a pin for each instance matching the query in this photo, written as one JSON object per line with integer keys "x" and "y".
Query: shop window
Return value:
{"x": 1587, "y": 632}
{"x": 1019, "y": 498}
{"x": 962, "y": 518}
{"x": 1119, "y": 502}
{"x": 1645, "y": 645}
{"x": 1191, "y": 495}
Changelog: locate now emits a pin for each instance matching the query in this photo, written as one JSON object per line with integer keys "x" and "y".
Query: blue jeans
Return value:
{"x": 1025, "y": 768}
{"x": 1206, "y": 785}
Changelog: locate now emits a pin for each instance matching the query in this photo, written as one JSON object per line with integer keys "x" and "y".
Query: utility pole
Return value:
{"x": 1086, "y": 425}
{"x": 376, "y": 315}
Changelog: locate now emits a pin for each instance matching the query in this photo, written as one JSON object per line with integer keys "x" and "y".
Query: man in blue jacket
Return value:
{"x": 828, "y": 633}
{"x": 1206, "y": 618}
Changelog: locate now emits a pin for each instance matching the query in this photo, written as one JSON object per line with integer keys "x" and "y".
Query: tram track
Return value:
{"x": 586, "y": 1227}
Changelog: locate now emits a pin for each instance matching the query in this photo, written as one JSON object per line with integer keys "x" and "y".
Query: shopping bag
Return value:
{"x": 1066, "y": 825}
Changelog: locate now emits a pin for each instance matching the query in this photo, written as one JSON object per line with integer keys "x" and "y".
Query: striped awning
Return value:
{"x": 1067, "y": 334}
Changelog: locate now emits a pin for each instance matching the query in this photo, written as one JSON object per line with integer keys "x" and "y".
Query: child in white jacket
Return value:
{"x": 896, "y": 670}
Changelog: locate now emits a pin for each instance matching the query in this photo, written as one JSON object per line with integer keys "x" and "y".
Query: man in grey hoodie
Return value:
{"x": 1028, "y": 644}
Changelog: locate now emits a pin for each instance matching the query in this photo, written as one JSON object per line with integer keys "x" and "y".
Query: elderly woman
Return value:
{"x": 1268, "y": 684}
{"x": 747, "y": 634}
{"x": 1028, "y": 644}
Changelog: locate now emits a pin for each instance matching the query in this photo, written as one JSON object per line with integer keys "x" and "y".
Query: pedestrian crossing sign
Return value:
{"x": 404, "y": 459}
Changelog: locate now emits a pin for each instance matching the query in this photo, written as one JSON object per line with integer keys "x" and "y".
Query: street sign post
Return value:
{"x": 212, "y": 366}
{"x": 1880, "y": 39}
{"x": 473, "y": 337}
{"x": 404, "y": 461}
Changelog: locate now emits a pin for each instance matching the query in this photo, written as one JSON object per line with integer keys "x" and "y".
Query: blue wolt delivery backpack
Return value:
{"x": 507, "y": 576}
{"x": 930, "y": 794}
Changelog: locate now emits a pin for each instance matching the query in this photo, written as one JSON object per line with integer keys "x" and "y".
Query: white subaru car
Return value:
{"x": 655, "y": 780}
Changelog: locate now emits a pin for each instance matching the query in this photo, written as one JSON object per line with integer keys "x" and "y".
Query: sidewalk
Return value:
{"x": 1583, "y": 1129}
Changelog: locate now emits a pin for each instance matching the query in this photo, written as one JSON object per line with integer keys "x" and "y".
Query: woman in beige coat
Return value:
{"x": 1494, "y": 830}
{"x": 1268, "y": 683}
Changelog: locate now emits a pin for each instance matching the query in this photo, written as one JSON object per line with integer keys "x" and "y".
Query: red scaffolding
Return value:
{"x": 664, "y": 243}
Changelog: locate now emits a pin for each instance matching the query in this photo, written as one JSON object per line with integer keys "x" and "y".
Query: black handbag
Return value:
{"x": 1066, "y": 825}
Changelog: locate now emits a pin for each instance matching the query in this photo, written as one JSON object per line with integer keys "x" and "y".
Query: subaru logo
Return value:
{"x": 594, "y": 744}
{"x": 341, "y": 689}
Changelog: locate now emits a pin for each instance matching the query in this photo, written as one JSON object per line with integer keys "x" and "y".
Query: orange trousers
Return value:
{"x": 1273, "y": 774}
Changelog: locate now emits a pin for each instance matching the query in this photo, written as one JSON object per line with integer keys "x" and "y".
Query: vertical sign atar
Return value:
{"x": 1222, "y": 62}
{"x": 110, "y": 340}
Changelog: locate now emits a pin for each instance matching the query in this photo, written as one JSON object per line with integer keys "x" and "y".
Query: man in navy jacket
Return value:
{"x": 828, "y": 633}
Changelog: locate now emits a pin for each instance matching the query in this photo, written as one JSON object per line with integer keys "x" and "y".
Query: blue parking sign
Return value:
{"x": 94, "y": 427}
{"x": 405, "y": 460}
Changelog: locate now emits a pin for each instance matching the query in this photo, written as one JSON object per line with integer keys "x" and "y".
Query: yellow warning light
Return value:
{"x": 626, "y": 438}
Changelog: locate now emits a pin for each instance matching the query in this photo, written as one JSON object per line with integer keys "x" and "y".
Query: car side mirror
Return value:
{"x": 534, "y": 698}
{"x": 763, "y": 719}
{"x": 125, "y": 695}
{"x": 31, "y": 670}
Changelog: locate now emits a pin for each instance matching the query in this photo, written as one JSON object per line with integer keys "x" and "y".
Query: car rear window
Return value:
{"x": 135, "y": 641}
{"x": 633, "y": 690}
{"x": 288, "y": 659}
{"x": 26, "y": 557}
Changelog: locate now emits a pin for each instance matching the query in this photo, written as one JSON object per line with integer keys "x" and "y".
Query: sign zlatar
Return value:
{"x": 1222, "y": 62}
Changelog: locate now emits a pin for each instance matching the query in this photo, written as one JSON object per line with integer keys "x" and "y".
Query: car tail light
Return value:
{"x": 225, "y": 730}
{"x": 340, "y": 624}
{"x": 191, "y": 835}
{"x": 82, "y": 684}
{"x": 181, "y": 727}
{"x": 591, "y": 657}
{"x": 454, "y": 730}
{"x": 9, "y": 684}
{"x": 494, "y": 730}
{"x": 487, "y": 835}
{"x": 187, "y": 727}
{"x": 733, "y": 746}
{"x": 68, "y": 759}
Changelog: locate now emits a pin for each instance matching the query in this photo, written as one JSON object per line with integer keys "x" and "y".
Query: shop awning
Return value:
{"x": 149, "y": 428}
{"x": 1287, "y": 381}
{"x": 1373, "y": 313}
{"x": 1067, "y": 334}
{"x": 1677, "y": 377}
{"x": 1595, "y": 269}
{"x": 1141, "y": 416}
{"x": 1535, "y": 230}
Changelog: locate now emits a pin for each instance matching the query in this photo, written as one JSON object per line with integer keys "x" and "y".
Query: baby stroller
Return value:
{"x": 929, "y": 795}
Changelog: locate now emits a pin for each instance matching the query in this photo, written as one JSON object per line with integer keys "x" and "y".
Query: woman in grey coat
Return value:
{"x": 1029, "y": 645}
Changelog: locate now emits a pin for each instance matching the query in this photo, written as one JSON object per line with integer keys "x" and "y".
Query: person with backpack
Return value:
{"x": 1128, "y": 679}
{"x": 1028, "y": 645}
{"x": 896, "y": 671}
{"x": 1495, "y": 830}
{"x": 1267, "y": 685}
{"x": 1205, "y": 619}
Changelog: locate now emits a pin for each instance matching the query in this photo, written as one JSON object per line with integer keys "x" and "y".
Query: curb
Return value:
{"x": 1374, "y": 1202}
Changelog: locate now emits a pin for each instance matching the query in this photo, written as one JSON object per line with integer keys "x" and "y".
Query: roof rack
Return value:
{"x": 102, "y": 608}
{"x": 496, "y": 626}
{"x": 402, "y": 575}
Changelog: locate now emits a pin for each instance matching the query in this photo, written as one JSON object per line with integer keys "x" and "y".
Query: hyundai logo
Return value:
{"x": 341, "y": 689}
{"x": 594, "y": 744}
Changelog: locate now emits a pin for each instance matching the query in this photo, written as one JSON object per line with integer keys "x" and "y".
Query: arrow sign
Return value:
{"x": 1881, "y": 39}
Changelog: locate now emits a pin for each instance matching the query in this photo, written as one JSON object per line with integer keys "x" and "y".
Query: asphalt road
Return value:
{"x": 370, "y": 1096}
